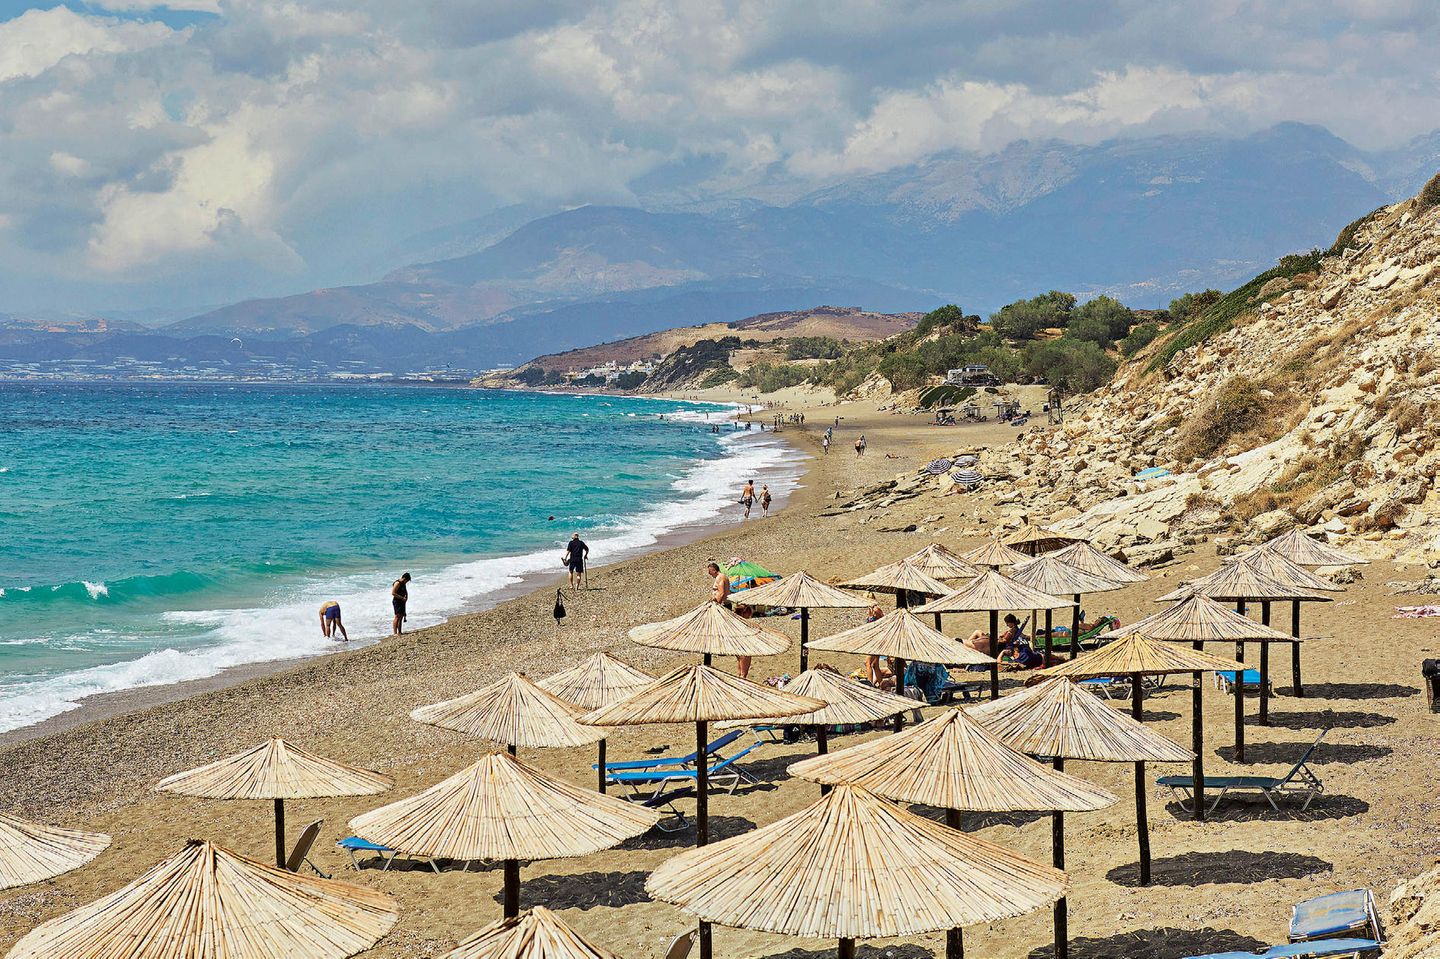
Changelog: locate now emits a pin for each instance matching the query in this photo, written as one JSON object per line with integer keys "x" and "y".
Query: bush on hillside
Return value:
{"x": 813, "y": 348}
{"x": 1429, "y": 195}
{"x": 1073, "y": 365}
{"x": 629, "y": 380}
{"x": 769, "y": 377}
{"x": 1023, "y": 319}
{"x": 1103, "y": 316}
{"x": 1182, "y": 308}
{"x": 947, "y": 317}
{"x": 531, "y": 376}
{"x": 1236, "y": 407}
{"x": 1347, "y": 235}
{"x": 718, "y": 377}
{"x": 1140, "y": 337}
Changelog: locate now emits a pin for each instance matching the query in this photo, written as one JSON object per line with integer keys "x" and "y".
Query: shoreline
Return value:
{"x": 107, "y": 705}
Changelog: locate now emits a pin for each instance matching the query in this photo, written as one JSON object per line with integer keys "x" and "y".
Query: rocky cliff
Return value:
{"x": 1308, "y": 397}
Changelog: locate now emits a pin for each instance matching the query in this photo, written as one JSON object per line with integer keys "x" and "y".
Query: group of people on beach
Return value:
{"x": 748, "y": 499}
{"x": 332, "y": 626}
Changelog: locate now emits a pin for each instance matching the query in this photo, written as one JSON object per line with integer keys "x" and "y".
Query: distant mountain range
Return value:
{"x": 1141, "y": 219}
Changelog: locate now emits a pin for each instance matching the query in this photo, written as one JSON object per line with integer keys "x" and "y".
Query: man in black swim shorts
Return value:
{"x": 576, "y": 553}
{"x": 399, "y": 596}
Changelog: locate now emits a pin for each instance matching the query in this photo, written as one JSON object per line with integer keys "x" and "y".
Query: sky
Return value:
{"x": 205, "y": 151}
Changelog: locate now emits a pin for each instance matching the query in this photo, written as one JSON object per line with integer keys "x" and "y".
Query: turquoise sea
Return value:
{"x": 151, "y": 534}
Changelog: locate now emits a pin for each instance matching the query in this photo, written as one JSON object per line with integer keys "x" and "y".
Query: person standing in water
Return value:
{"x": 399, "y": 596}
{"x": 747, "y": 497}
{"x": 576, "y": 553}
{"x": 765, "y": 500}
{"x": 330, "y": 621}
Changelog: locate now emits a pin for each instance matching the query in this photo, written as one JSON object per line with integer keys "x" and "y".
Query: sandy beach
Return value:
{"x": 1226, "y": 883}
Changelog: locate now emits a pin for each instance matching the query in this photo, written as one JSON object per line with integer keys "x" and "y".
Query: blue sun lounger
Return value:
{"x": 1300, "y": 781}
{"x": 1326, "y": 949}
{"x": 668, "y": 762}
{"x": 1225, "y": 679}
{"x": 724, "y": 773}
{"x": 1338, "y": 915}
{"x": 354, "y": 844}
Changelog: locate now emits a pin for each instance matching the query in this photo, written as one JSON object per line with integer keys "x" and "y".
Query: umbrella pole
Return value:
{"x": 1049, "y": 639}
{"x": 938, "y": 624}
{"x": 897, "y": 668}
{"x": 1238, "y": 688}
{"x": 702, "y": 814}
{"x": 822, "y": 746}
{"x": 705, "y": 659}
{"x": 1295, "y": 649}
{"x": 280, "y": 833}
{"x": 1265, "y": 668}
{"x": 512, "y": 888}
{"x": 804, "y": 637}
{"x": 954, "y": 938}
{"x": 1197, "y": 741}
{"x": 510, "y": 748}
{"x": 1075, "y": 628}
{"x": 995, "y": 653}
{"x": 1057, "y": 850}
{"x": 1142, "y": 820}
{"x": 602, "y": 767}
{"x": 846, "y": 950}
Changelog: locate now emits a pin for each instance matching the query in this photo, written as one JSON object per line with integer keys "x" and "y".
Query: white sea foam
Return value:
{"x": 96, "y": 590}
{"x": 289, "y": 627}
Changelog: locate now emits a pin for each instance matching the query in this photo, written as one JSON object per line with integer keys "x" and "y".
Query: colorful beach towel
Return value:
{"x": 1416, "y": 612}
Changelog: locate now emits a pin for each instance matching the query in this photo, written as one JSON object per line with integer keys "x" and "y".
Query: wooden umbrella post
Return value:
{"x": 280, "y": 833}
{"x": 846, "y": 950}
{"x": 897, "y": 667}
{"x": 705, "y": 659}
{"x": 1265, "y": 667}
{"x": 822, "y": 746}
{"x": 702, "y": 815}
{"x": 510, "y": 748}
{"x": 1295, "y": 649}
{"x": 601, "y": 769}
{"x": 1057, "y": 851}
{"x": 1197, "y": 740}
{"x": 995, "y": 653}
{"x": 954, "y": 938}
{"x": 1142, "y": 819}
{"x": 1075, "y": 628}
{"x": 1049, "y": 638}
{"x": 804, "y": 637}
{"x": 512, "y": 888}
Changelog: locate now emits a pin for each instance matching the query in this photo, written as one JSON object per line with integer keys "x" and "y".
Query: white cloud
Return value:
{"x": 37, "y": 40}
{"x": 127, "y": 6}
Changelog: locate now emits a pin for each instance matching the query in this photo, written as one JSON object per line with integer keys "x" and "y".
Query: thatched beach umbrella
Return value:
{"x": 1240, "y": 583}
{"x": 853, "y": 866}
{"x": 711, "y": 630}
{"x": 278, "y": 771}
{"x": 598, "y": 681}
{"x": 995, "y": 554}
{"x": 991, "y": 592}
{"x": 1059, "y": 719}
{"x": 1057, "y": 577}
{"x": 1035, "y": 540}
{"x": 33, "y": 852}
{"x": 534, "y": 934}
{"x": 954, "y": 763}
{"x": 513, "y": 711}
{"x": 500, "y": 808}
{"x": 1134, "y": 656}
{"x": 701, "y": 695}
{"x": 803, "y": 592}
{"x": 904, "y": 637}
{"x": 901, "y": 578}
{"x": 1088, "y": 559}
{"x": 937, "y": 562}
{"x": 210, "y": 903}
{"x": 846, "y": 702}
{"x": 1282, "y": 569}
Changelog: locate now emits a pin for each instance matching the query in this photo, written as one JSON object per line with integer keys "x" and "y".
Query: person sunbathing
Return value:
{"x": 1019, "y": 654}
{"x": 981, "y": 642}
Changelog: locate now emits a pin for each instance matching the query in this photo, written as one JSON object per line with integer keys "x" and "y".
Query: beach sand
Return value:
{"x": 1227, "y": 883}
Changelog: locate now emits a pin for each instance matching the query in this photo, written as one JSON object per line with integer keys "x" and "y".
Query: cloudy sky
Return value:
{"x": 208, "y": 150}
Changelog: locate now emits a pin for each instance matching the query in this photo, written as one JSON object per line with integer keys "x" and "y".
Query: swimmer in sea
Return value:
{"x": 330, "y": 621}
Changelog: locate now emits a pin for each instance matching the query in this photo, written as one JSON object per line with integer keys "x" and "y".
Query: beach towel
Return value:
{"x": 1416, "y": 612}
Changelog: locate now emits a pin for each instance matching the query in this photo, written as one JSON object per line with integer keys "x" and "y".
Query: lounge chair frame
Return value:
{"x": 1300, "y": 781}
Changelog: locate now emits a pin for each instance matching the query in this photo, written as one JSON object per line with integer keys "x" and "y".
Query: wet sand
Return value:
{"x": 1227, "y": 883}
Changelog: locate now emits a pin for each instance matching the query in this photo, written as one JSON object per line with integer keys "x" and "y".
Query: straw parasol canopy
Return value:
{"x": 699, "y": 694}
{"x": 803, "y": 592}
{"x": 210, "y": 903}
{"x": 598, "y": 681}
{"x": 712, "y": 630}
{"x": 1307, "y": 551}
{"x": 900, "y": 578}
{"x": 33, "y": 852}
{"x": 990, "y": 591}
{"x": 938, "y": 562}
{"x": 1033, "y": 540}
{"x": 278, "y": 771}
{"x": 1240, "y": 582}
{"x": 500, "y": 808}
{"x": 1279, "y": 568}
{"x": 1199, "y": 619}
{"x": 1059, "y": 718}
{"x": 854, "y": 866}
{"x": 1084, "y": 557}
{"x": 906, "y": 636}
{"x": 953, "y": 762}
{"x": 513, "y": 711}
{"x": 534, "y": 934}
{"x": 846, "y": 701}
{"x": 1138, "y": 655}
{"x": 994, "y": 554}
{"x": 1055, "y": 576}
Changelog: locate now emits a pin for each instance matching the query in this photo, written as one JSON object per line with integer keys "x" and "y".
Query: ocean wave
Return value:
{"x": 129, "y": 589}
{"x": 289, "y": 627}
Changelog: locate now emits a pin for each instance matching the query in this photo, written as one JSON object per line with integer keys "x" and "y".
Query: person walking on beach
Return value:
{"x": 765, "y": 500}
{"x": 747, "y": 497}
{"x": 719, "y": 585}
{"x": 576, "y": 553}
{"x": 330, "y": 621}
{"x": 399, "y": 596}
{"x": 860, "y": 447}
{"x": 825, "y": 443}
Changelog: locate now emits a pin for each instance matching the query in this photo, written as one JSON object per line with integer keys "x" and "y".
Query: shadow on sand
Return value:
{"x": 1157, "y": 944}
{"x": 585, "y": 890}
{"x": 1235, "y": 866}
{"x": 1285, "y": 754}
{"x": 721, "y": 827}
{"x": 1247, "y": 809}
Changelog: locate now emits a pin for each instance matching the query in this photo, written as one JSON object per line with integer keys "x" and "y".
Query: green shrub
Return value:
{"x": 531, "y": 376}
{"x": 1236, "y": 407}
{"x": 629, "y": 380}
{"x": 1139, "y": 338}
{"x": 769, "y": 377}
{"x": 1182, "y": 308}
{"x": 1103, "y": 313}
{"x": 1347, "y": 235}
{"x": 1022, "y": 319}
{"x": 1075, "y": 366}
{"x": 1429, "y": 195}
{"x": 813, "y": 348}
{"x": 948, "y": 317}
{"x": 718, "y": 377}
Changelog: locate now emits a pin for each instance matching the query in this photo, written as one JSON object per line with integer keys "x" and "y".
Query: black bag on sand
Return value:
{"x": 559, "y": 613}
{"x": 1430, "y": 670}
